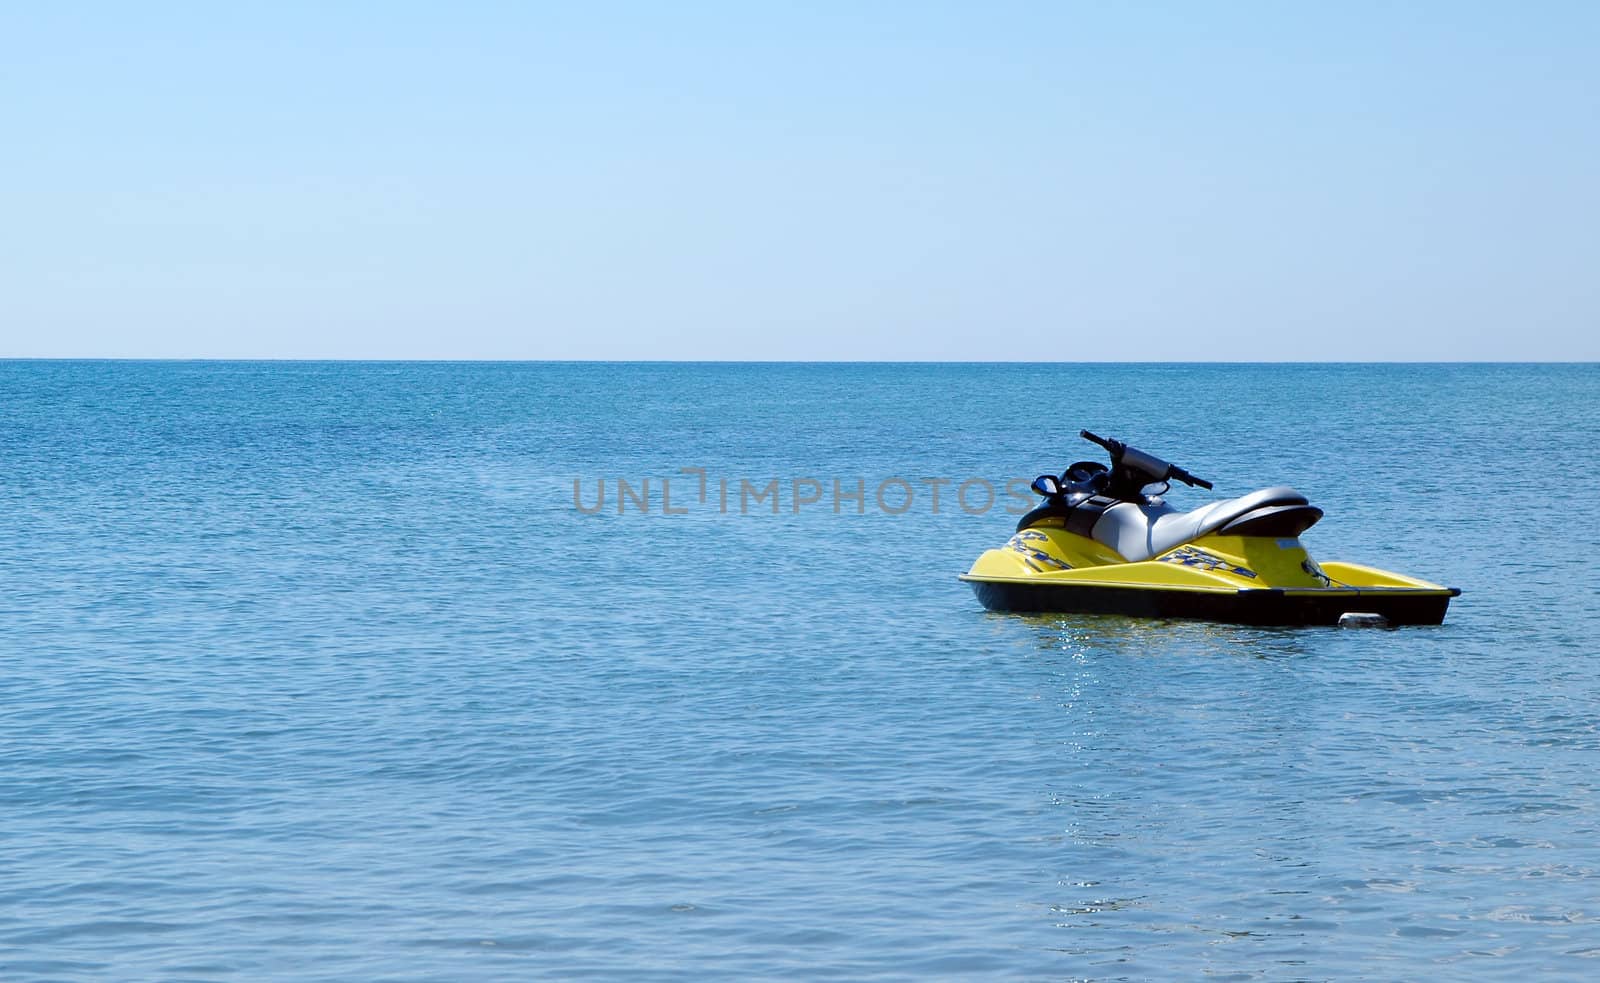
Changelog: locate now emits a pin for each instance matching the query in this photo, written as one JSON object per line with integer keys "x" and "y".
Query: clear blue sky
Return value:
{"x": 1032, "y": 181}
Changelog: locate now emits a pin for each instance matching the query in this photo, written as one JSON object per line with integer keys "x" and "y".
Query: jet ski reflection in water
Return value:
{"x": 1100, "y": 544}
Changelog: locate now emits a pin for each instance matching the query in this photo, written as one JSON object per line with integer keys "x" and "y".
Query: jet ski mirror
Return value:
{"x": 1047, "y": 485}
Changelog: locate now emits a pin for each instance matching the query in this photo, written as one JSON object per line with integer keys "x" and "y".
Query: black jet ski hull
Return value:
{"x": 1261, "y": 606}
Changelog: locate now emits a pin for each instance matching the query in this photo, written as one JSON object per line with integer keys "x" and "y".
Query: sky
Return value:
{"x": 823, "y": 180}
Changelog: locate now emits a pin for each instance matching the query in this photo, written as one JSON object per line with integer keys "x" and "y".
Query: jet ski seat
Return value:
{"x": 1143, "y": 532}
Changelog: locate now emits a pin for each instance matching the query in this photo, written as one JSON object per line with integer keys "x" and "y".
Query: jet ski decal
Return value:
{"x": 1189, "y": 556}
{"x": 1037, "y": 559}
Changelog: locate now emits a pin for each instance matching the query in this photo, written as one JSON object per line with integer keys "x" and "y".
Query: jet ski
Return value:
{"x": 1105, "y": 541}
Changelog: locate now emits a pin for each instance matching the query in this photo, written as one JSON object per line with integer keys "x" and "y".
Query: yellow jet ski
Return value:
{"x": 1104, "y": 542}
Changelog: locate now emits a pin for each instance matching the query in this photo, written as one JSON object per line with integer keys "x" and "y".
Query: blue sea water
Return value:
{"x": 315, "y": 671}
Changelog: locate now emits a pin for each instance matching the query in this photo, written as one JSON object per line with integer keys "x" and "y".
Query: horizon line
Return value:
{"x": 770, "y": 361}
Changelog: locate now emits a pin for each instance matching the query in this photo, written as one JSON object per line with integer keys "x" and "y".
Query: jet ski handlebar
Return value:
{"x": 1114, "y": 447}
{"x": 1190, "y": 479}
{"x": 1137, "y": 464}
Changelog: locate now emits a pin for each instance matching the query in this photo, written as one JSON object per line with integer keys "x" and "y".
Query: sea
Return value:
{"x": 662, "y": 671}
